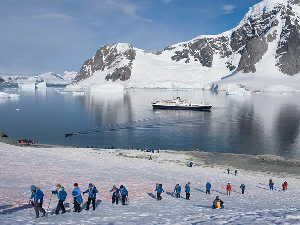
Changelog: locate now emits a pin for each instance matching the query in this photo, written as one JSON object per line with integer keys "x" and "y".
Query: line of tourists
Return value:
{"x": 120, "y": 195}
{"x": 37, "y": 197}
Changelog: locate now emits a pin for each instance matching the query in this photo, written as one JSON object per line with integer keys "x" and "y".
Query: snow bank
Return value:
{"x": 41, "y": 85}
{"x": 4, "y": 95}
{"x": 106, "y": 88}
{"x": 22, "y": 166}
{"x": 27, "y": 85}
{"x": 261, "y": 83}
{"x": 234, "y": 89}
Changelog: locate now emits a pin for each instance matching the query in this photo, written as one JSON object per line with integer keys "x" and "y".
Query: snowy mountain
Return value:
{"x": 49, "y": 77}
{"x": 266, "y": 43}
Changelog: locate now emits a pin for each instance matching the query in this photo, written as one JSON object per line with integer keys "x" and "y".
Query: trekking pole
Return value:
{"x": 49, "y": 202}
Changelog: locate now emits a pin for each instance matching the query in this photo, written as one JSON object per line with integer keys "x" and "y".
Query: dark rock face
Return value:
{"x": 122, "y": 73}
{"x": 203, "y": 50}
{"x": 108, "y": 57}
{"x": 288, "y": 51}
{"x": 255, "y": 27}
{"x": 251, "y": 54}
{"x": 1, "y": 80}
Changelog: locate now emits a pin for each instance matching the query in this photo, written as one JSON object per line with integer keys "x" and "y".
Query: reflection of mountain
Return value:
{"x": 287, "y": 128}
{"x": 249, "y": 130}
{"x": 109, "y": 111}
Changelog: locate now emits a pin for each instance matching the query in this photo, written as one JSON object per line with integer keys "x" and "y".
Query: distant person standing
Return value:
{"x": 177, "y": 191}
{"x": 228, "y": 189}
{"x": 61, "y": 195}
{"x": 243, "y": 187}
{"x": 188, "y": 191}
{"x": 124, "y": 194}
{"x": 76, "y": 193}
{"x": 37, "y": 197}
{"x": 271, "y": 185}
{"x": 208, "y": 188}
{"x": 284, "y": 185}
{"x": 115, "y": 195}
{"x": 235, "y": 172}
{"x": 92, "y": 191}
{"x": 228, "y": 171}
{"x": 159, "y": 190}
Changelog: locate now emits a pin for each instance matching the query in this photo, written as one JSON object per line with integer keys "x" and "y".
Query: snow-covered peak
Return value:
{"x": 122, "y": 47}
{"x": 267, "y": 37}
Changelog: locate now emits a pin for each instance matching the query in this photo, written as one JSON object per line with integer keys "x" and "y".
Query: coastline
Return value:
{"x": 270, "y": 164}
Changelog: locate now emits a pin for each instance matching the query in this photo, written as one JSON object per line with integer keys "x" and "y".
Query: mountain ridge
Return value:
{"x": 270, "y": 28}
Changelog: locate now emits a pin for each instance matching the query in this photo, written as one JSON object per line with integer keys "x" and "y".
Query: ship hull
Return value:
{"x": 192, "y": 108}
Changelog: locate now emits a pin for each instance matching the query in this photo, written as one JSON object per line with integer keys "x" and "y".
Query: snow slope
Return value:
{"x": 22, "y": 166}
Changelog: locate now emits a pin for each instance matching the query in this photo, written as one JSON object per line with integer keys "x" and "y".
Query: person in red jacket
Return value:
{"x": 228, "y": 189}
{"x": 284, "y": 185}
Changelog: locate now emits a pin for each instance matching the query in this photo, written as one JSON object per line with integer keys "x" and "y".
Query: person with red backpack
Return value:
{"x": 228, "y": 189}
{"x": 284, "y": 185}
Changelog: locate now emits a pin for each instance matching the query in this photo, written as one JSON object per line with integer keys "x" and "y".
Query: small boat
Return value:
{"x": 180, "y": 104}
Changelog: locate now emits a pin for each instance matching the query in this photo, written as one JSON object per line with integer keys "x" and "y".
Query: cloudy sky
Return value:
{"x": 57, "y": 35}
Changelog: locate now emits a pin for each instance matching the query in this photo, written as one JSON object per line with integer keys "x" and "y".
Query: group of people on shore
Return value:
{"x": 37, "y": 198}
{"x": 120, "y": 194}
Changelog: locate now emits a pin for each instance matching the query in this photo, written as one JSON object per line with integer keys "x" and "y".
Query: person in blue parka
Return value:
{"x": 124, "y": 194}
{"x": 76, "y": 193}
{"x": 61, "y": 195}
{"x": 208, "y": 187}
{"x": 177, "y": 191}
{"x": 37, "y": 198}
{"x": 188, "y": 191}
{"x": 92, "y": 191}
{"x": 159, "y": 190}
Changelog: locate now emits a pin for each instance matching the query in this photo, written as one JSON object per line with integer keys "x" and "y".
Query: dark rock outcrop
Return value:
{"x": 288, "y": 51}
{"x": 108, "y": 57}
{"x": 251, "y": 54}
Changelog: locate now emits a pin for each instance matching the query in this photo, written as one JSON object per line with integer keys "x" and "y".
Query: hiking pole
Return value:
{"x": 49, "y": 202}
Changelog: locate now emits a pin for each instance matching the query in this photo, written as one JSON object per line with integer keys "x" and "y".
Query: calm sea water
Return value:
{"x": 258, "y": 124}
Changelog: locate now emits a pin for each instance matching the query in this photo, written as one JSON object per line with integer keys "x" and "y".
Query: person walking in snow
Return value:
{"x": 115, "y": 195}
{"x": 228, "y": 171}
{"x": 76, "y": 193}
{"x": 188, "y": 191}
{"x": 284, "y": 185}
{"x": 61, "y": 195}
{"x": 228, "y": 189}
{"x": 243, "y": 187}
{"x": 177, "y": 191}
{"x": 208, "y": 188}
{"x": 271, "y": 185}
{"x": 92, "y": 191}
{"x": 124, "y": 194}
{"x": 159, "y": 190}
{"x": 235, "y": 173}
{"x": 36, "y": 199}
{"x": 218, "y": 203}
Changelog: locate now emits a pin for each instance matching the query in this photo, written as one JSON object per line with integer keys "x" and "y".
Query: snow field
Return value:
{"x": 21, "y": 167}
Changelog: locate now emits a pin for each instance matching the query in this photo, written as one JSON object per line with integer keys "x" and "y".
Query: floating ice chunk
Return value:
{"x": 27, "y": 85}
{"x": 78, "y": 93}
{"x": 41, "y": 85}
{"x": 4, "y": 95}
{"x": 234, "y": 89}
